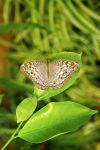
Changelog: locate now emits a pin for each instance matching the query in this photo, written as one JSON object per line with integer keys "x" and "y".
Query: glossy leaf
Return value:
{"x": 54, "y": 119}
{"x": 49, "y": 92}
{"x": 25, "y": 109}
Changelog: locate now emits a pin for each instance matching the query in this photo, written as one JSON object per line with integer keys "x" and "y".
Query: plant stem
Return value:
{"x": 12, "y": 137}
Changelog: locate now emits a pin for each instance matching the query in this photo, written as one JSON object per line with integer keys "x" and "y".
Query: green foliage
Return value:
{"x": 1, "y": 98}
{"x": 50, "y": 27}
{"x": 18, "y": 27}
{"x": 55, "y": 119}
{"x": 25, "y": 109}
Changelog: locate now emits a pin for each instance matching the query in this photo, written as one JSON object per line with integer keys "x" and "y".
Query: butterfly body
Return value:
{"x": 49, "y": 74}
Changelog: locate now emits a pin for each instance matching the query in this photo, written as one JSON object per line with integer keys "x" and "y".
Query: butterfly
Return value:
{"x": 49, "y": 74}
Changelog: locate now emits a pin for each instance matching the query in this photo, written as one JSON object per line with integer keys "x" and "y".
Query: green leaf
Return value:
{"x": 1, "y": 98}
{"x": 21, "y": 26}
{"x": 55, "y": 119}
{"x": 49, "y": 92}
{"x": 25, "y": 109}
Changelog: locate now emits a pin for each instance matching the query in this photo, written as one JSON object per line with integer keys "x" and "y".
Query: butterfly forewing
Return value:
{"x": 53, "y": 74}
{"x": 60, "y": 72}
{"x": 37, "y": 72}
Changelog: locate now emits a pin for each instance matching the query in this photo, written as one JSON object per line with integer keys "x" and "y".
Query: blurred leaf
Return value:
{"x": 87, "y": 23}
{"x": 49, "y": 92}
{"x": 6, "y": 131}
{"x": 87, "y": 10}
{"x": 1, "y": 98}
{"x": 21, "y": 26}
{"x": 55, "y": 119}
{"x": 16, "y": 85}
{"x": 6, "y": 115}
{"x": 25, "y": 109}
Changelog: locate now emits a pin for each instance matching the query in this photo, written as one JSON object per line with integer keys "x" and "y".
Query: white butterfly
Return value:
{"x": 53, "y": 74}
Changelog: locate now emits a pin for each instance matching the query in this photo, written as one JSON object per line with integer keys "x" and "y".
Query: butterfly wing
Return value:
{"x": 37, "y": 72}
{"x": 60, "y": 71}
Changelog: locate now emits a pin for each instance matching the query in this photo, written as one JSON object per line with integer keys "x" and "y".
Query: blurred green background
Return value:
{"x": 49, "y": 26}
